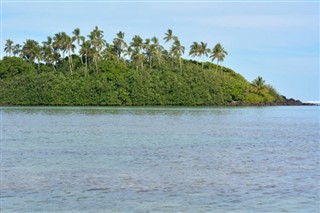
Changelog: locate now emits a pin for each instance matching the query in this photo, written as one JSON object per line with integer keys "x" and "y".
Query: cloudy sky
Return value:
{"x": 278, "y": 40}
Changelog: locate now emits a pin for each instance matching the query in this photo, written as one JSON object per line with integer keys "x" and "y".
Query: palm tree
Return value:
{"x": 218, "y": 53}
{"x": 17, "y": 50}
{"x": 65, "y": 44}
{"x": 31, "y": 51}
{"x": 258, "y": 84}
{"x": 97, "y": 41}
{"x": 149, "y": 50}
{"x": 109, "y": 53}
{"x": 119, "y": 44}
{"x": 136, "y": 46}
{"x": 9, "y": 47}
{"x": 48, "y": 43}
{"x": 49, "y": 55}
{"x": 176, "y": 51}
{"x": 58, "y": 42}
{"x": 79, "y": 38}
{"x": 203, "y": 51}
{"x": 85, "y": 51}
{"x": 194, "y": 49}
{"x": 157, "y": 48}
{"x": 169, "y": 36}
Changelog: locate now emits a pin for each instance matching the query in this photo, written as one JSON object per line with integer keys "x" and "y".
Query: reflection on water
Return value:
{"x": 110, "y": 159}
{"x": 171, "y": 111}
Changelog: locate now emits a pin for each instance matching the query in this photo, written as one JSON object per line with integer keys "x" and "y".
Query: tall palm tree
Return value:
{"x": 97, "y": 41}
{"x": 85, "y": 51}
{"x": 169, "y": 36}
{"x": 258, "y": 84}
{"x": 49, "y": 42}
{"x": 9, "y": 47}
{"x": 65, "y": 44}
{"x": 49, "y": 55}
{"x": 137, "y": 56}
{"x": 79, "y": 38}
{"x": 149, "y": 50}
{"x": 109, "y": 53}
{"x": 157, "y": 49}
{"x": 194, "y": 49}
{"x": 203, "y": 51}
{"x": 218, "y": 53}
{"x": 58, "y": 43}
{"x": 17, "y": 50}
{"x": 31, "y": 51}
{"x": 176, "y": 51}
{"x": 119, "y": 43}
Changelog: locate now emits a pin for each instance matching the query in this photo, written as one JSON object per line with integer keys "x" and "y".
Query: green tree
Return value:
{"x": 119, "y": 44}
{"x": 79, "y": 38}
{"x": 169, "y": 36}
{"x": 218, "y": 53}
{"x": 31, "y": 50}
{"x": 58, "y": 43}
{"x": 157, "y": 49}
{"x": 49, "y": 55}
{"x": 149, "y": 50}
{"x": 97, "y": 41}
{"x": 176, "y": 51}
{"x": 86, "y": 52}
{"x": 17, "y": 50}
{"x": 195, "y": 49}
{"x": 109, "y": 53}
{"x": 203, "y": 51}
{"x": 66, "y": 45}
{"x": 259, "y": 84}
{"x": 137, "y": 56}
{"x": 9, "y": 47}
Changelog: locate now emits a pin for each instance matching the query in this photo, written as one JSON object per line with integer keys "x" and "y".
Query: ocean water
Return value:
{"x": 114, "y": 159}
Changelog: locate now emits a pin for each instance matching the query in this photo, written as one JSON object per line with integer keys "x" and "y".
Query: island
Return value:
{"x": 139, "y": 73}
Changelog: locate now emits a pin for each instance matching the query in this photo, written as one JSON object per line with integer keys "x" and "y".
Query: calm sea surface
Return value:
{"x": 251, "y": 159}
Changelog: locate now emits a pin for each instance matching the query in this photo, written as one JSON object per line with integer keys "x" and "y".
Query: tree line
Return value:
{"x": 93, "y": 48}
{"x": 87, "y": 70}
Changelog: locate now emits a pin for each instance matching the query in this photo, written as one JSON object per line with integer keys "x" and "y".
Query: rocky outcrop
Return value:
{"x": 284, "y": 102}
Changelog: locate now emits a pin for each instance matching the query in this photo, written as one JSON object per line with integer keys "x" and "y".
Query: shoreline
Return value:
{"x": 234, "y": 104}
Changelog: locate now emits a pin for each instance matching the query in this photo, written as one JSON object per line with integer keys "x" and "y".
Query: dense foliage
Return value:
{"x": 142, "y": 73}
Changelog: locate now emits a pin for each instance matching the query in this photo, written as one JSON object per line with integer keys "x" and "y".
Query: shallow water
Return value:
{"x": 74, "y": 159}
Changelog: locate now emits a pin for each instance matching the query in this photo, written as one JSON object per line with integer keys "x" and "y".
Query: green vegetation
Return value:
{"x": 141, "y": 72}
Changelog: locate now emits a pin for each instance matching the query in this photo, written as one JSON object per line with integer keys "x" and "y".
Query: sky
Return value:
{"x": 278, "y": 40}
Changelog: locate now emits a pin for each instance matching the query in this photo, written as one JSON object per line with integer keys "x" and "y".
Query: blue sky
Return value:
{"x": 278, "y": 40}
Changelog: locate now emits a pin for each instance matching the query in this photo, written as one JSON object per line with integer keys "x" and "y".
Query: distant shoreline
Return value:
{"x": 234, "y": 104}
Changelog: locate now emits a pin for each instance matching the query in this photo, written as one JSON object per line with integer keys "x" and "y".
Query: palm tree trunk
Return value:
{"x": 54, "y": 67}
{"x": 96, "y": 63}
{"x": 70, "y": 67}
{"x": 81, "y": 60}
{"x": 70, "y": 62}
{"x": 150, "y": 62}
{"x": 85, "y": 74}
{"x": 180, "y": 62}
{"x": 159, "y": 60}
{"x": 202, "y": 63}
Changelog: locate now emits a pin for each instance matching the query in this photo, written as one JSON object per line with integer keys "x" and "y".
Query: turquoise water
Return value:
{"x": 251, "y": 159}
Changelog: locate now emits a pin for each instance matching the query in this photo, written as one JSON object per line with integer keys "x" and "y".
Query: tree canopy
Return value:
{"x": 88, "y": 70}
